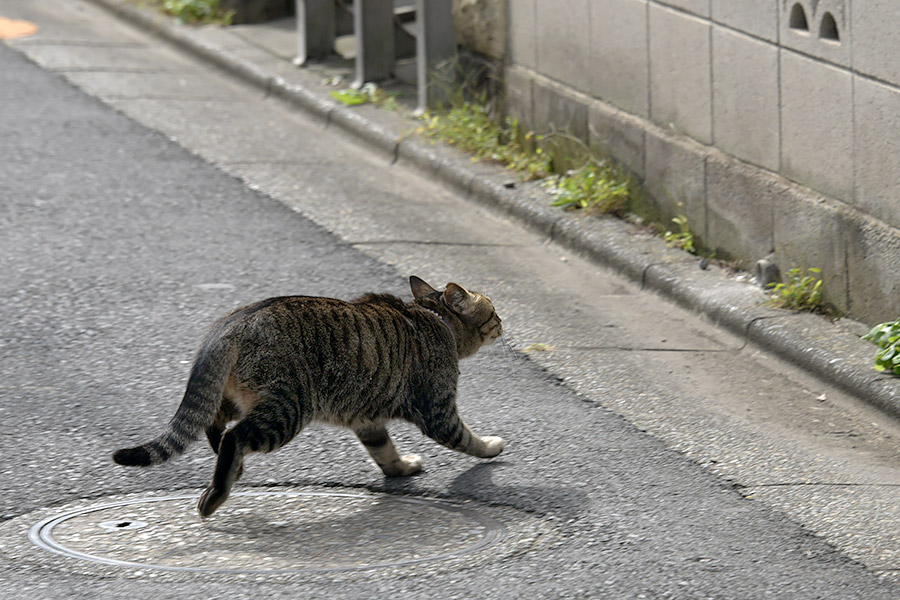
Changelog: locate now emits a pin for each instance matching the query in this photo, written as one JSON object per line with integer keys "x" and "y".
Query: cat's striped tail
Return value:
{"x": 197, "y": 411}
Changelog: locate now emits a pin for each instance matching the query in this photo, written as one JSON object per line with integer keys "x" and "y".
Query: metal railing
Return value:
{"x": 385, "y": 31}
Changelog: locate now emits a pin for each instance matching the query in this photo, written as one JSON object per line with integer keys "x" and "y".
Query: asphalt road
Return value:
{"x": 119, "y": 247}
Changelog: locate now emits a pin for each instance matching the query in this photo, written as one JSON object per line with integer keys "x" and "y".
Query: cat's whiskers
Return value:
{"x": 502, "y": 348}
{"x": 508, "y": 350}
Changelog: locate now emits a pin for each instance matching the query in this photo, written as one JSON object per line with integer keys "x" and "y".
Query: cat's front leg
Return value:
{"x": 492, "y": 445}
{"x": 381, "y": 448}
{"x": 445, "y": 426}
{"x": 488, "y": 446}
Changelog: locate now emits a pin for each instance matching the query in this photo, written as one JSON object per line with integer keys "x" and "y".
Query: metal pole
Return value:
{"x": 435, "y": 52}
{"x": 373, "y": 25}
{"x": 315, "y": 29}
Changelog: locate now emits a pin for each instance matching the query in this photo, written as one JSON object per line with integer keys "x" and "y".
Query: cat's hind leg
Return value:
{"x": 228, "y": 412}
{"x": 381, "y": 448}
{"x": 444, "y": 425}
{"x": 269, "y": 425}
{"x": 229, "y": 466}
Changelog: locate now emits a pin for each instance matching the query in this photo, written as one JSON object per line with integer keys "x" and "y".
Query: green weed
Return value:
{"x": 598, "y": 186}
{"x": 198, "y": 12}
{"x": 368, "y": 93}
{"x": 801, "y": 292}
{"x": 683, "y": 238}
{"x": 470, "y": 127}
{"x": 887, "y": 337}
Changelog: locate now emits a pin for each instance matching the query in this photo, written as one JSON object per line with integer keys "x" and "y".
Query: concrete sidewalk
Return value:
{"x": 261, "y": 55}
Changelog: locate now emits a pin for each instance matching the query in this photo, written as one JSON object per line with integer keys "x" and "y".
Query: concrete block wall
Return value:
{"x": 774, "y": 125}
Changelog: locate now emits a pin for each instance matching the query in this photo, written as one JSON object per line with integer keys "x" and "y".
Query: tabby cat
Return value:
{"x": 275, "y": 365}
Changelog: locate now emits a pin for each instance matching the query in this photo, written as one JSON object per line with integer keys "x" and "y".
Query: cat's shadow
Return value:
{"x": 477, "y": 483}
{"x": 338, "y": 533}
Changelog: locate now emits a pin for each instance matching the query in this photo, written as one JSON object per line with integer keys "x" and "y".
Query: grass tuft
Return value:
{"x": 801, "y": 292}
{"x": 196, "y": 12}
{"x": 470, "y": 127}
{"x": 598, "y": 186}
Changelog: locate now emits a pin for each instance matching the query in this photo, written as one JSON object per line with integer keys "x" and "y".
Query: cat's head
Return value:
{"x": 475, "y": 313}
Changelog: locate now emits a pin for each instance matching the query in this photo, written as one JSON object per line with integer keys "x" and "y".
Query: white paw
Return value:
{"x": 403, "y": 466}
{"x": 410, "y": 463}
{"x": 493, "y": 446}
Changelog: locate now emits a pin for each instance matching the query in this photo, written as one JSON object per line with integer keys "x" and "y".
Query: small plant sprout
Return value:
{"x": 198, "y": 12}
{"x": 887, "y": 337}
{"x": 800, "y": 292}
{"x": 596, "y": 186}
{"x": 368, "y": 93}
{"x": 683, "y": 238}
{"x": 469, "y": 126}
{"x": 538, "y": 347}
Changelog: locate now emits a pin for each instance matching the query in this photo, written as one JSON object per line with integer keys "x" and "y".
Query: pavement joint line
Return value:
{"x": 436, "y": 243}
{"x": 800, "y": 347}
{"x": 167, "y": 98}
{"x": 627, "y": 349}
{"x": 80, "y": 43}
{"x": 137, "y": 70}
{"x": 264, "y": 161}
{"x": 818, "y": 484}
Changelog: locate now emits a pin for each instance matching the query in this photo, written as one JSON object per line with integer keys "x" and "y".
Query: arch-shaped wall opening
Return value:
{"x": 828, "y": 28}
{"x": 798, "y": 18}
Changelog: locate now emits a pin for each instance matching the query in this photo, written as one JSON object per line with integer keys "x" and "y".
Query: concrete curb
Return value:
{"x": 831, "y": 351}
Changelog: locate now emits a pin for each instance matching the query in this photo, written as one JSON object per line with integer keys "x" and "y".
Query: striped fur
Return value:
{"x": 276, "y": 365}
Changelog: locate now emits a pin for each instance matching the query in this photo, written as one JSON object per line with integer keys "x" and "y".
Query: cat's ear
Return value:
{"x": 458, "y": 298}
{"x": 419, "y": 287}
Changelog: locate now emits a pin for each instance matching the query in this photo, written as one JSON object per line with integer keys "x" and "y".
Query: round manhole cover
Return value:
{"x": 269, "y": 532}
